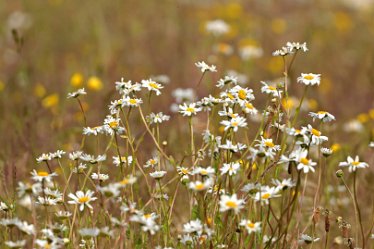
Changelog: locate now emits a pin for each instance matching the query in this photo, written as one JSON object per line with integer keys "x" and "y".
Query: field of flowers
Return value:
{"x": 187, "y": 124}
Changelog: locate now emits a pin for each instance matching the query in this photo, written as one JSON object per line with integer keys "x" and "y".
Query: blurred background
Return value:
{"x": 51, "y": 47}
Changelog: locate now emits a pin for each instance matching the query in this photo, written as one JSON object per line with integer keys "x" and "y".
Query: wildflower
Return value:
{"x": 250, "y": 187}
{"x": 223, "y": 48}
{"x": 158, "y": 174}
{"x": 157, "y": 118}
{"x": 63, "y": 214}
{"x": 217, "y": 27}
{"x": 242, "y": 94}
{"x": 326, "y": 152}
{"x": 181, "y": 95}
{"x": 89, "y": 232}
{"x": 130, "y": 179}
{"x": 316, "y": 135}
{"x": 208, "y": 171}
{"x": 82, "y": 199}
{"x": 226, "y": 81}
{"x": 306, "y": 239}
{"x": 284, "y": 184}
{"x": 151, "y": 162}
{"x": 267, "y": 144}
{"x": 297, "y": 46}
{"x": 76, "y": 80}
{"x": 189, "y": 110}
{"x": 77, "y": 93}
{"x": 147, "y": 221}
{"x": 230, "y": 168}
{"x": 271, "y": 90}
{"x": 193, "y": 227}
{"x": 353, "y": 164}
{"x": 205, "y": 67}
{"x": 183, "y": 171}
{"x": 265, "y": 194}
{"x": 100, "y": 177}
{"x": 248, "y": 107}
{"x": 151, "y": 85}
{"x": 47, "y": 201}
{"x": 234, "y": 123}
{"x": 322, "y": 115}
{"x": 132, "y": 102}
{"x": 92, "y": 131}
{"x": 40, "y": 176}
{"x": 309, "y": 79}
{"x": 230, "y": 203}
{"x": 57, "y": 154}
{"x": 5, "y": 207}
{"x": 232, "y": 147}
{"x": 371, "y": 144}
{"x": 200, "y": 186}
{"x": 112, "y": 125}
{"x": 44, "y": 158}
{"x": 92, "y": 159}
{"x": 126, "y": 160}
{"x": 250, "y": 226}
{"x": 75, "y": 155}
{"x": 304, "y": 163}
{"x": 249, "y": 52}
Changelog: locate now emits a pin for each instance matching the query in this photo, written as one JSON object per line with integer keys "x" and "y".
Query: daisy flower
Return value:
{"x": 126, "y": 160}
{"x": 322, "y": 115}
{"x": 234, "y": 123}
{"x": 158, "y": 174}
{"x": 265, "y": 194}
{"x": 44, "y": 158}
{"x": 205, "y": 67}
{"x": 306, "y": 239}
{"x": 148, "y": 222}
{"x": 297, "y": 46}
{"x": 230, "y": 203}
{"x": 209, "y": 171}
{"x": 304, "y": 163}
{"x": 189, "y": 110}
{"x": 152, "y": 85}
{"x": 82, "y": 199}
{"x": 271, "y": 90}
{"x": 151, "y": 162}
{"x": 316, "y": 135}
{"x": 227, "y": 80}
{"x": 200, "y": 186}
{"x": 230, "y": 168}
{"x": 40, "y": 176}
{"x": 100, "y": 177}
{"x": 77, "y": 93}
{"x": 157, "y": 118}
{"x": 309, "y": 79}
{"x": 131, "y": 102}
{"x": 250, "y": 226}
{"x": 284, "y": 184}
{"x": 353, "y": 164}
{"x": 217, "y": 27}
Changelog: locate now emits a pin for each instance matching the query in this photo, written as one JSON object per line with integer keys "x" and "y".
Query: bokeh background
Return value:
{"x": 51, "y": 47}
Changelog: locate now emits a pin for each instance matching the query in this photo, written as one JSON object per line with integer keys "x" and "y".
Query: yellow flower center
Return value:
{"x": 269, "y": 144}
{"x": 222, "y": 47}
{"x": 133, "y": 101}
{"x": 190, "y": 109}
{"x": 152, "y": 161}
{"x": 203, "y": 172}
{"x": 147, "y": 216}
{"x": 184, "y": 171}
{"x": 250, "y": 225}
{"x": 199, "y": 186}
{"x": 265, "y": 196}
{"x": 308, "y": 77}
{"x": 272, "y": 88}
{"x": 43, "y": 173}
{"x": 124, "y": 181}
{"x": 316, "y": 133}
{"x": 355, "y": 163}
{"x": 113, "y": 124}
{"x": 242, "y": 94}
{"x": 304, "y": 161}
{"x": 231, "y": 204}
{"x": 322, "y": 112}
{"x": 153, "y": 85}
{"x": 234, "y": 124}
{"x": 84, "y": 199}
{"x": 230, "y": 96}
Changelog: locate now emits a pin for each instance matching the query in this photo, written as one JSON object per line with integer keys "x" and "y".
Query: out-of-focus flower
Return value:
{"x": 217, "y": 27}
{"x": 94, "y": 83}
{"x": 309, "y": 79}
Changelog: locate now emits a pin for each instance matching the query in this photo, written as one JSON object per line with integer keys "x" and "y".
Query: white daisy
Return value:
{"x": 158, "y": 174}
{"x": 77, "y": 93}
{"x": 189, "y": 110}
{"x": 353, "y": 164}
{"x": 309, "y": 79}
{"x": 230, "y": 168}
{"x": 205, "y": 67}
{"x": 322, "y": 115}
{"x": 234, "y": 123}
{"x": 252, "y": 227}
{"x": 230, "y": 203}
{"x": 82, "y": 199}
{"x": 152, "y": 85}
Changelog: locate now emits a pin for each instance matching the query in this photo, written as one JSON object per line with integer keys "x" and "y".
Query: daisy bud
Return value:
{"x": 339, "y": 173}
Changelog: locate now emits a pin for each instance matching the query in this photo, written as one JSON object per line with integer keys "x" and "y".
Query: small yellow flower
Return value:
{"x": 363, "y": 118}
{"x": 51, "y": 100}
{"x": 336, "y": 147}
{"x": 76, "y": 80}
{"x": 94, "y": 83}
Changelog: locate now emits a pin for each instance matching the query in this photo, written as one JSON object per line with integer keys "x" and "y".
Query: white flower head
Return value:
{"x": 309, "y": 79}
{"x": 353, "y": 164}
{"x": 205, "y": 67}
{"x": 82, "y": 199}
{"x": 231, "y": 203}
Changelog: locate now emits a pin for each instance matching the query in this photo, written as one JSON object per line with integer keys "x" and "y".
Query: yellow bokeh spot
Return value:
{"x": 221, "y": 129}
{"x": 76, "y": 80}
{"x": 278, "y": 25}
{"x": 2, "y": 86}
{"x": 94, "y": 83}
{"x": 343, "y": 22}
{"x": 288, "y": 104}
{"x": 39, "y": 90}
{"x": 335, "y": 147}
{"x": 254, "y": 166}
{"x": 371, "y": 113}
{"x": 51, "y": 100}
{"x": 275, "y": 64}
{"x": 326, "y": 86}
{"x": 43, "y": 173}
{"x": 312, "y": 104}
{"x": 363, "y": 118}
